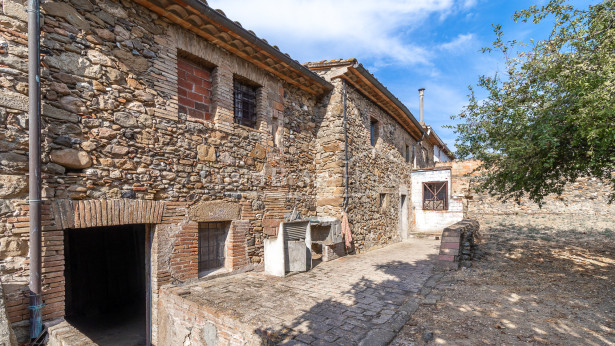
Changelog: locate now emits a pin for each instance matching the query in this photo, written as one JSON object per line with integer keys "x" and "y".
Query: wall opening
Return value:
{"x": 212, "y": 246}
{"x": 403, "y": 216}
{"x": 106, "y": 283}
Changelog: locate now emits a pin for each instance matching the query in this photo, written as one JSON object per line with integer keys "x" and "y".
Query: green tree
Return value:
{"x": 550, "y": 118}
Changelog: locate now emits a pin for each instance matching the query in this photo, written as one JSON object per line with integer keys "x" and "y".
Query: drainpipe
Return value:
{"x": 34, "y": 198}
{"x": 345, "y": 147}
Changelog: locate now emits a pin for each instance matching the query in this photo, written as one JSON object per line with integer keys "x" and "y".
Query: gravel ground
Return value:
{"x": 543, "y": 279}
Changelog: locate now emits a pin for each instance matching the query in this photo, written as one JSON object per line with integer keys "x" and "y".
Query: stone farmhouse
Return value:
{"x": 177, "y": 145}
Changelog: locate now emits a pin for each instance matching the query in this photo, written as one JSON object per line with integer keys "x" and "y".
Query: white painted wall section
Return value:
{"x": 432, "y": 220}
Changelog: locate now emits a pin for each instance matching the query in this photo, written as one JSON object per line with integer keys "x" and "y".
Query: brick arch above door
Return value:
{"x": 110, "y": 212}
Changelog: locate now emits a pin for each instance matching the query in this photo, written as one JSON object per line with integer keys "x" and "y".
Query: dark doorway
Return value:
{"x": 105, "y": 283}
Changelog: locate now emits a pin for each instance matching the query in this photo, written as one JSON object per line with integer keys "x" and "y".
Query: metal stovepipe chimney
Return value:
{"x": 421, "y": 93}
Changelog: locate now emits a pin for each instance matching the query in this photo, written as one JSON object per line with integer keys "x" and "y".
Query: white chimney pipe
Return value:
{"x": 421, "y": 92}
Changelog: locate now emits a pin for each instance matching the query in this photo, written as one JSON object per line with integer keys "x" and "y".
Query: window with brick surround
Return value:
{"x": 194, "y": 88}
{"x": 212, "y": 238}
{"x": 244, "y": 96}
{"x": 435, "y": 195}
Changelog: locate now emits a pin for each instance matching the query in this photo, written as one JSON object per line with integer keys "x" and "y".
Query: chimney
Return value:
{"x": 421, "y": 91}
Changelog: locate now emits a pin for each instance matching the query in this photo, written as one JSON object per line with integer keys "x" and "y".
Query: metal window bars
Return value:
{"x": 435, "y": 195}
{"x": 245, "y": 103}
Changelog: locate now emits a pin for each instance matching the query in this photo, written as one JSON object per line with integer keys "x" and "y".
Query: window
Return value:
{"x": 383, "y": 200}
{"x": 373, "y": 131}
{"x": 435, "y": 195}
{"x": 407, "y": 156}
{"x": 245, "y": 103}
{"x": 212, "y": 236}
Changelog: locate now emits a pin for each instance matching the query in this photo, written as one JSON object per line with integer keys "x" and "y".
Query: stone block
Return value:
{"x": 71, "y": 158}
{"x": 259, "y": 152}
{"x": 206, "y": 153}
{"x": 66, "y": 11}
{"x": 214, "y": 211}
{"x": 12, "y": 186}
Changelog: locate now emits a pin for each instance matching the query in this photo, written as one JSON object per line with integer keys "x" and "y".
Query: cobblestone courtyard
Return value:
{"x": 363, "y": 299}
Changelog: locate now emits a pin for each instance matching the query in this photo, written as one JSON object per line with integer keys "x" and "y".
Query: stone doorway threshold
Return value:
{"x": 67, "y": 333}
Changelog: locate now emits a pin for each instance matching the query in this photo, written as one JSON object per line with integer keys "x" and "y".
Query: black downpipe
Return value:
{"x": 34, "y": 154}
{"x": 345, "y": 148}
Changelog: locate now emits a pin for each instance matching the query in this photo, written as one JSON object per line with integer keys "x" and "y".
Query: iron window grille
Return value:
{"x": 435, "y": 195}
{"x": 245, "y": 103}
{"x": 212, "y": 237}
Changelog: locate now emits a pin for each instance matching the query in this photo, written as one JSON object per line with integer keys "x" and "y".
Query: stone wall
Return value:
{"x": 378, "y": 175}
{"x": 186, "y": 322}
{"x": 458, "y": 244}
{"x": 7, "y": 337}
{"x": 112, "y": 129}
{"x": 586, "y": 196}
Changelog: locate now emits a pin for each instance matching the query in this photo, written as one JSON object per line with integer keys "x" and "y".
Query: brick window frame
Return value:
{"x": 435, "y": 195}
{"x": 212, "y": 252}
{"x": 194, "y": 87}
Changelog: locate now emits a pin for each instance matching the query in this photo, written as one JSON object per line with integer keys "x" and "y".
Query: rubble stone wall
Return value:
{"x": 112, "y": 128}
{"x": 459, "y": 242}
{"x": 586, "y": 196}
{"x": 375, "y": 173}
{"x": 183, "y": 321}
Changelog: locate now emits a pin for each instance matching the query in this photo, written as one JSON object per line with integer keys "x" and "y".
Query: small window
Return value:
{"x": 212, "y": 236}
{"x": 383, "y": 200}
{"x": 245, "y": 103}
{"x": 435, "y": 195}
{"x": 373, "y": 132}
{"x": 407, "y": 156}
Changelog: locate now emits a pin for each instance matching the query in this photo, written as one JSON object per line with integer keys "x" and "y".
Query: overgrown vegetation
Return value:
{"x": 550, "y": 118}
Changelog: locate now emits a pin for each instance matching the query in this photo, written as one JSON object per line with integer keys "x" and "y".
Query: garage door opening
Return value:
{"x": 106, "y": 283}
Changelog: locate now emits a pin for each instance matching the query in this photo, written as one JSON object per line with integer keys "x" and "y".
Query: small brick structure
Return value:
{"x": 458, "y": 244}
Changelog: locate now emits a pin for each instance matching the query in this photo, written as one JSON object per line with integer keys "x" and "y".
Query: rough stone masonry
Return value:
{"x": 139, "y": 127}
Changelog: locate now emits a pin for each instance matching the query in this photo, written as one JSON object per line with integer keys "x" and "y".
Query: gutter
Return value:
{"x": 34, "y": 167}
{"x": 253, "y": 39}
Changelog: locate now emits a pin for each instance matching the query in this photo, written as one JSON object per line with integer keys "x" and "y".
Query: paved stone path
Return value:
{"x": 363, "y": 299}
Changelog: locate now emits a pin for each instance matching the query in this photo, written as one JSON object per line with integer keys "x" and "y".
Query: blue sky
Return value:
{"x": 406, "y": 44}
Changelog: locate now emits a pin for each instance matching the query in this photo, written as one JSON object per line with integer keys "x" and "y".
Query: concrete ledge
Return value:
{"x": 458, "y": 244}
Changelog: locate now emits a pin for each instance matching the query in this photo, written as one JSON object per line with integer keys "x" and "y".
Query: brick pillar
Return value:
{"x": 236, "y": 248}
{"x": 185, "y": 257}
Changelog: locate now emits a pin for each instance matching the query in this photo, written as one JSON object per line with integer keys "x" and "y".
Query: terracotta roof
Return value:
{"x": 214, "y": 26}
{"x": 364, "y": 81}
{"x": 435, "y": 140}
{"x": 330, "y": 63}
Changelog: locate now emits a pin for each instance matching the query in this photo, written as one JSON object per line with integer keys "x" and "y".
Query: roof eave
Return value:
{"x": 196, "y": 7}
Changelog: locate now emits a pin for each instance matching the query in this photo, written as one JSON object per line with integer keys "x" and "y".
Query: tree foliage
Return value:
{"x": 550, "y": 118}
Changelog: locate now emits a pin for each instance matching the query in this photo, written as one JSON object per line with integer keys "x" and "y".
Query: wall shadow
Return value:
{"x": 347, "y": 318}
{"x": 537, "y": 284}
